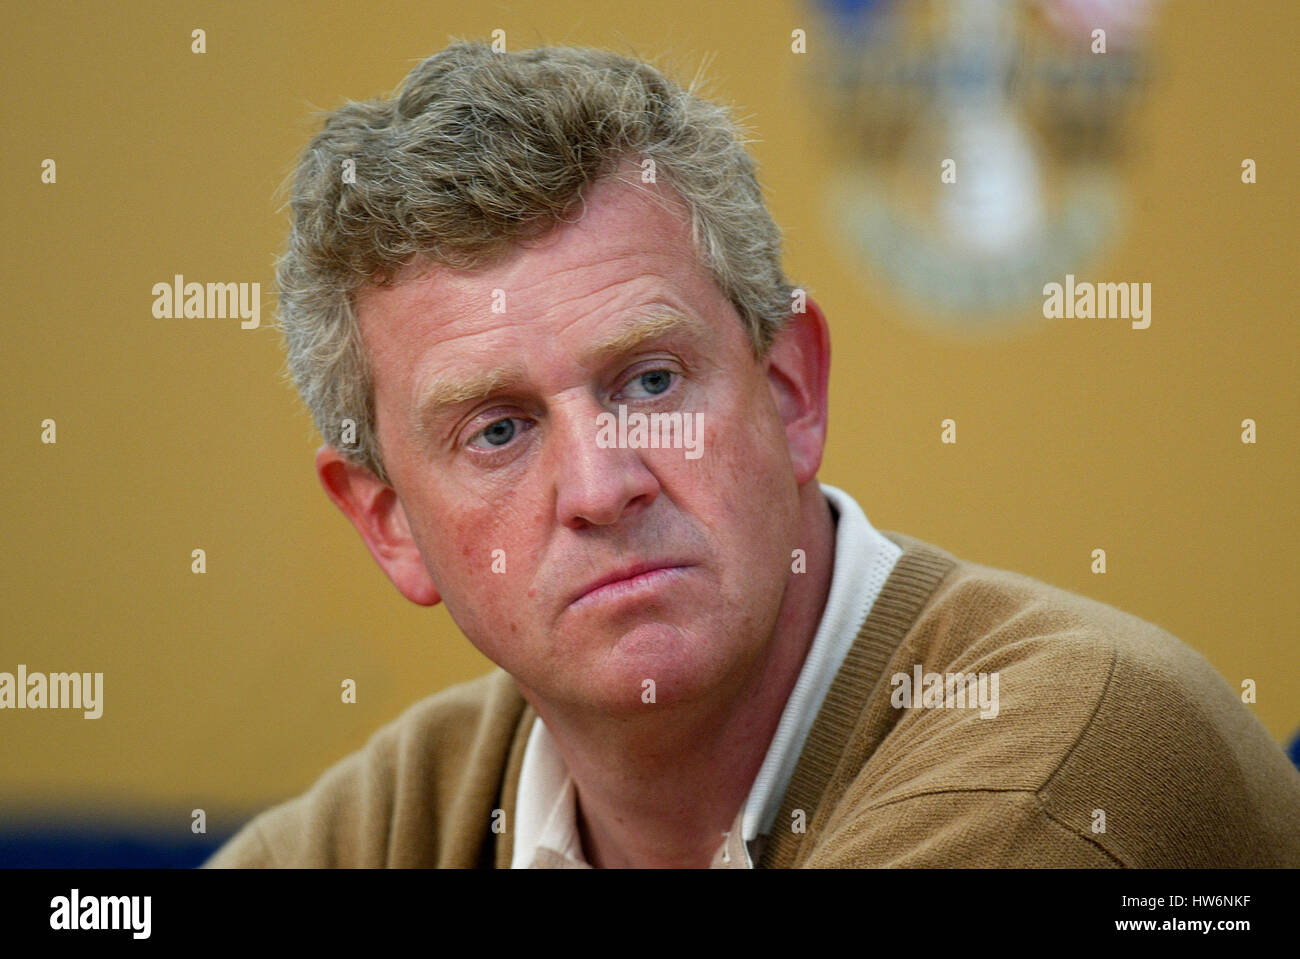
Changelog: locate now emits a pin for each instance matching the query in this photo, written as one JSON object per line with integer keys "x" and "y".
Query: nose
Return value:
{"x": 595, "y": 486}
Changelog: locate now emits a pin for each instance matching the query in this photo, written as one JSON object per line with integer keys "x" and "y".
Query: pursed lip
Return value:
{"x": 625, "y": 573}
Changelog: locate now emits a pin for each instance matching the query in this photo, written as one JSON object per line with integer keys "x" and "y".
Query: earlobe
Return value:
{"x": 798, "y": 370}
{"x": 374, "y": 510}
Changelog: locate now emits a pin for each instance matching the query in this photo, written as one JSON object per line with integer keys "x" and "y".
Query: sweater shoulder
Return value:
{"x": 419, "y": 793}
{"x": 1105, "y": 720}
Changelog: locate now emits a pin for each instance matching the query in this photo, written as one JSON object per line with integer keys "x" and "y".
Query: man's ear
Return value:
{"x": 374, "y": 509}
{"x": 798, "y": 371}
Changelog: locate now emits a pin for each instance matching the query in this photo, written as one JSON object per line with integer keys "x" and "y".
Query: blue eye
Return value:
{"x": 497, "y": 434}
{"x": 655, "y": 381}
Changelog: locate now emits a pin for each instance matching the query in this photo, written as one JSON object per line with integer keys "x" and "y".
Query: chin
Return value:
{"x": 683, "y": 664}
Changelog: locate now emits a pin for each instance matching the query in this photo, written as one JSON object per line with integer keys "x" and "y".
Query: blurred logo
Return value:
{"x": 977, "y": 142}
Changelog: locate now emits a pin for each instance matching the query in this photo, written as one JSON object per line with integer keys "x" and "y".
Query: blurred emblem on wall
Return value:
{"x": 978, "y": 143}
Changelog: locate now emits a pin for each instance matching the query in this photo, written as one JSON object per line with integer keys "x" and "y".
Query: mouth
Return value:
{"x": 627, "y": 581}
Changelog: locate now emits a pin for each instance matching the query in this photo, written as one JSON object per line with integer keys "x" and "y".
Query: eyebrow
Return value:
{"x": 645, "y": 325}
{"x": 445, "y": 391}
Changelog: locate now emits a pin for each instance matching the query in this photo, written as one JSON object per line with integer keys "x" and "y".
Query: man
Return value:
{"x": 495, "y": 280}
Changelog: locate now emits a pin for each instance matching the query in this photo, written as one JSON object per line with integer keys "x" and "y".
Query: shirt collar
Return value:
{"x": 863, "y": 561}
{"x": 546, "y": 831}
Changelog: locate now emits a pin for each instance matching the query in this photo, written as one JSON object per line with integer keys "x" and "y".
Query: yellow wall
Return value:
{"x": 222, "y": 690}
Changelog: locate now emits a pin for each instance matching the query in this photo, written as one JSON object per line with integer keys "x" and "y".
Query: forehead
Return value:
{"x": 626, "y": 246}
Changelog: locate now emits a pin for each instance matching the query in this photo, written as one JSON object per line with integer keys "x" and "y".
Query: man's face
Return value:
{"x": 488, "y": 386}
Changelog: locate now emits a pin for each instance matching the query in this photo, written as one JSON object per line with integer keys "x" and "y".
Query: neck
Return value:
{"x": 663, "y": 795}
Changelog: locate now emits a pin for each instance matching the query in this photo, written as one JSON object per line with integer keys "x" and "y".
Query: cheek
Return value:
{"x": 742, "y": 489}
{"x": 750, "y": 457}
{"x": 758, "y": 470}
{"x": 480, "y": 550}
{"x": 484, "y": 558}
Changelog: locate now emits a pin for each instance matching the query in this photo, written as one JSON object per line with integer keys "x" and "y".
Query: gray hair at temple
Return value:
{"x": 476, "y": 152}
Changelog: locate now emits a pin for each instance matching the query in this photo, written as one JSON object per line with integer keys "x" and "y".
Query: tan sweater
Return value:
{"x": 1114, "y": 744}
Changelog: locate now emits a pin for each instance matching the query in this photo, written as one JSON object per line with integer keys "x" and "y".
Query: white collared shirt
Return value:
{"x": 546, "y": 808}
